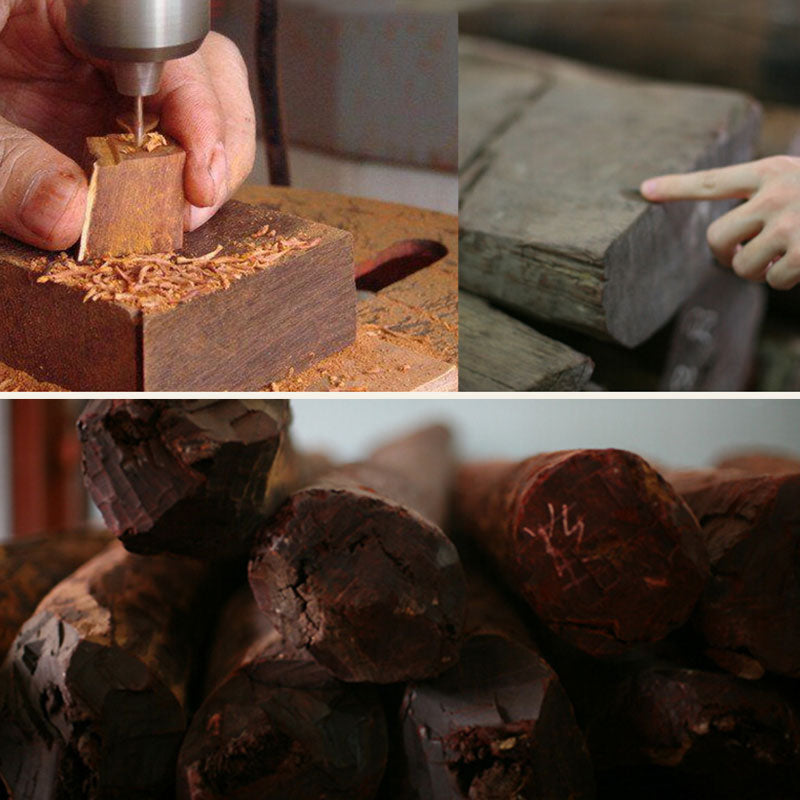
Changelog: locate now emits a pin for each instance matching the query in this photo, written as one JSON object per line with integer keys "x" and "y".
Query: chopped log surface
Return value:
{"x": 538, "y": 237}
{"x": 498, "y": 353}
{"x": 498, "y": 724}
{"x": 731, "y": 737}
{"x": 275, "y": 724}
{"x": 356, "y": 569}
{"x": 97, "y": 680}
{"x": 749, "y": 613}
{"x": 761, "y": 462}
{"x": 678, "y": 40}
{"x": 135, "y": 202}
{"x": 202, "y": 319}
{"x": 595, "y": 541}
{"x": 30, "y": 568}
{"x": 193, "y": 477}
{"x": 714, "y": 340}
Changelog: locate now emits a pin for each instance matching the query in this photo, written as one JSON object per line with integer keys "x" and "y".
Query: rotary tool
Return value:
{"x": 137, "y": 37}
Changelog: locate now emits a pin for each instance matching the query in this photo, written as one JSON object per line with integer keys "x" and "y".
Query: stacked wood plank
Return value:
{"x": 407, "y": 626}
{"x": 554, "y": 234}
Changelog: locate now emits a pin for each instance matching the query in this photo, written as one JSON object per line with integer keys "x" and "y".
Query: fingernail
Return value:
{"x": 218, "y": 170}
{"x": 46, "y": 200}
{"x": 649, "y": 187}
{"x": 195, "y": 217}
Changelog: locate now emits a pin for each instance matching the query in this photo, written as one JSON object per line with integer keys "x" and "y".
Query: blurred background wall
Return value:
{"x": 675, "y": 432}
{"x": 370, "y": 95}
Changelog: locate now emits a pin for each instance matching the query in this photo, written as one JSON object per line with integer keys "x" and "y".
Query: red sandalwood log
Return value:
{"x": 356, "y": 568}
{"x": 276, "y": 725}
{"x": 30, "y": 568}
{"x": 96, "y": 680}
{"x": 761, "y": 462}
{"x": 598, "y": 544}
{"x": 498, "y": 724}
{"x": 727, "y": 737}
{"x": 192, "y": 477}
{"x": 749, "y": 613}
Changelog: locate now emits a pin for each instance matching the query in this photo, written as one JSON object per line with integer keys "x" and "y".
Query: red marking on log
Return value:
{"x": 602, "y": 549}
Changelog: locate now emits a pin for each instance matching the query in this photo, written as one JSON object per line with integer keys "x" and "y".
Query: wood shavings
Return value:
{"x": 161, "y": 281}
{"x": 152, "y": 141}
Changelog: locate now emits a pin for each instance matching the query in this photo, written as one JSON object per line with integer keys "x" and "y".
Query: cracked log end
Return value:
{"x": 749, "y": 614}
{"x": 498, "y": 724}
{"x": 374, "y": 591}
{"x": 599, "y": 545}
{"x": 276, "y": 724}
{"x": 190, "y": 477}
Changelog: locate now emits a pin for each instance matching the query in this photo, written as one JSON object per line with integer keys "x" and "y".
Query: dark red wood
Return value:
{"x": 277, "y": 725}
{"x": 598, "y": 544}
{"x": 749, "y": 614}
{"x": 356, "y": 568}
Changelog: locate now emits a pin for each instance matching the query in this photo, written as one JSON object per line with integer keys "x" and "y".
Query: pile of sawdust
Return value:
{"x": 161, "y": 281}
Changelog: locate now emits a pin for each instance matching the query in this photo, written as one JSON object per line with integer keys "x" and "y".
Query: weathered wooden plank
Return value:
{"x": 680, "y": 40}
{"x": 217, "y": 327}
{"x": 498, "y": 353}
{"x": 715, "y": 337}
{"x": 548, "y": 221}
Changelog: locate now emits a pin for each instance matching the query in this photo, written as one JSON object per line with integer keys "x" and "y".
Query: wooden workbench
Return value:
{"x": 408, "y": 330}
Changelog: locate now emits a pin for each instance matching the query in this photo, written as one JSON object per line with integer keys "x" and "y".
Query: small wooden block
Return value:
{"x": 135, "y": 202}
{"x": 290, "y": 314}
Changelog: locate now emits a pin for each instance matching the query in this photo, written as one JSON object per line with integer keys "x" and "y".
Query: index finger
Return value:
{"x": 723, "y": 183}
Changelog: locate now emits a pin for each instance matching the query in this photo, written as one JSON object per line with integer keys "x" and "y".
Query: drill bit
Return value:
{"x": 139, "y": 132}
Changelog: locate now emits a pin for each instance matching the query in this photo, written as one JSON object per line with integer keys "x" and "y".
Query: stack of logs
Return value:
{"x": 579, "y": 624}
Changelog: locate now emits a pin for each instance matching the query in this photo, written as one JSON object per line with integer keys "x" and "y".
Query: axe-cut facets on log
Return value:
{"x": 96, "y": 681}
{"x": 749, "y": 614}
{"x": 30, "y": 568}
{"x": 599, "y": 545}
{"x": 356, "y": 568}
{"x": 277, "y": 725}
{"x": 498, "y": 724}
{"x": 192, "y": 477}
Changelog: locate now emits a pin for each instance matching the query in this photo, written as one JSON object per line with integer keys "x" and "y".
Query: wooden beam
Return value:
{"x": 548, "y": 222}
{"x": 135, "y": 202}
{"x": 278, "y": 295}
{"x": 501, "y": 354}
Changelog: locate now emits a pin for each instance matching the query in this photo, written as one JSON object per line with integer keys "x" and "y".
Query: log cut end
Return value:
{"x": 374, "y": 591}
{"x": 189, "y": 477}
{"x": 600, "y": 546}
{"x": 135, "y": 202}
{"x": 498, "y": 724}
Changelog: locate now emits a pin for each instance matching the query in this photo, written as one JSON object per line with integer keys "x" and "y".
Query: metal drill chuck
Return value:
{"x": 138, "y": 36}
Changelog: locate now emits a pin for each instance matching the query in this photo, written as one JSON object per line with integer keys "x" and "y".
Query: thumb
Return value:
{"x": 42, "y": 192}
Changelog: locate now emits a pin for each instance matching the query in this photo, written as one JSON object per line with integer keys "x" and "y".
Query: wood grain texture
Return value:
{"x": 678, "y": 40}
{"x": 601, "y": 548}
{"x": 193, "y": 477}
{"x": 275, "y": 724}
{"x": 721, "y": 737}
{"x": 538, "y": 236}
{"x": 401, "y": 316}
{"x": 498, "y": 353}
{"x": 98, "y": 679}
{"x": 355, "y": 567}
{"x": 29, "y": 568}
{"x": 295, "y": 312}
{"x": 715, "y": 337}
{"x": 135, "y": 202}
{"x": 749, "y": 613}
{"x": 499, "y": 723}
